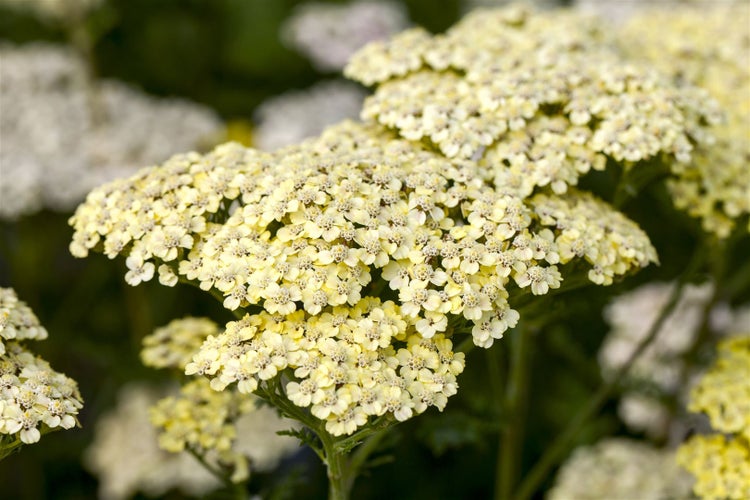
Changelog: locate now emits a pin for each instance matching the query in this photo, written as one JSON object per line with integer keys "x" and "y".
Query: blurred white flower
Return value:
{"x": 619, "y": 11}
{"x": 621, "y": 469}
{"x": 289, "y": 118}
{"x": 126, "y": 456}
{"x": 257, "y": 438}
{"x": 329, "y": 34}
{"x": 62, "y": 136}
{"x": 127, "y": 459}
{"x": 660, "y": 371}
{"x": 630, "y": 317}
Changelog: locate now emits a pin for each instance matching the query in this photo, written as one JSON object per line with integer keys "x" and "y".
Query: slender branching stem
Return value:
{"x": 559, "y": 448}
{"x": 511, "y": 434}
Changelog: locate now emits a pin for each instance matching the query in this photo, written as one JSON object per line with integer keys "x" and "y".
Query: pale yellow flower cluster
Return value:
{"x": 538, "y": 98}
{"x": 17, "y": 320}
{"x": 308, "y": 226}
{"x": 33, "y": 397}
{"x": 173, "y": 345}
{"x": 350, "y": 364}
{"x": 202, "y": 420}
{"x": 331, "y": 223}
{"x": 620, "y": 469}
{"x": 724, "y": 392}
{"x": 721, "y": 462}
{"x": 590, "y": 229}
{"x": 706, "y": 46}
{"x": 721, "y": 466}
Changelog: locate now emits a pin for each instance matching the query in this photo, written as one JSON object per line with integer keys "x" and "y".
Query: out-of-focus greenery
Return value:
{"x": 228, "y": 55}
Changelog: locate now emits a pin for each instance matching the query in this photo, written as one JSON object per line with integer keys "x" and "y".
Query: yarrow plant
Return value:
{"x": 34, "y": 399}
{"x": 356, "y": 261}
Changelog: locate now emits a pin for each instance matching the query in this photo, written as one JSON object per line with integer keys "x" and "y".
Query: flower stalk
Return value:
{"x": 559, "y": 448}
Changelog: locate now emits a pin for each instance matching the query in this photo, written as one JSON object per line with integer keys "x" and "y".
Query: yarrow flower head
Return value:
{"x": 199, "y": 419}
{"x": 34, "y": 398}
{"x": 538, "y": 98}
{"x": 705, "y": 45}
{"x": 721, "y": 462}
{"x": 202, "y": 420}
{"x": 620, "y": 469}
{"x": 384, "y": 245}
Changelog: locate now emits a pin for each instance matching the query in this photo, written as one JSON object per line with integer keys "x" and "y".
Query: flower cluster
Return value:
{"x": 724, "y": 392}
{"x": 332, "y": 223}
{"x": 538, "y": 98}
{"x": 173, "y": 345}
{"x": 706, "y": 46}
{"x": 63, "y": 135}
{"x": 308, "y": 226}
{"x": 349, "y": 364}
{"x": 294, "y": 116}
{"x": 33, "y": 397}
{"x": 201, "y": 420}
{"x": 659, "y": 374}
{"x": 620, "y": 469}
{"x": 329, "y": 34}
{"x": 721, "y": 462}
{"x": 126, "y": 457}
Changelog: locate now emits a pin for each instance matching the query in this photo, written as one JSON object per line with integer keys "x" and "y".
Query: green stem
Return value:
{"x": 560, "y": 446}
{"x": 210, "y": 468}
{"x": 342, "y": 467}
{"x": 340, "y": 481}
{"x": 511, "y": 434}
{"x": 9, "y": 449}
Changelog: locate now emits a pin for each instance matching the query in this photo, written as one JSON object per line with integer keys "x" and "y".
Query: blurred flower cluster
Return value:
{"x": 329, "y": 34}
{"x": 64, "y": 134}
{"x": 720, "y": 462}
{"x": 620, "y": 469}
{"x": 659, "y": 378}
{"x": 192, "y": 437}
{"x": 294, "y": 116}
